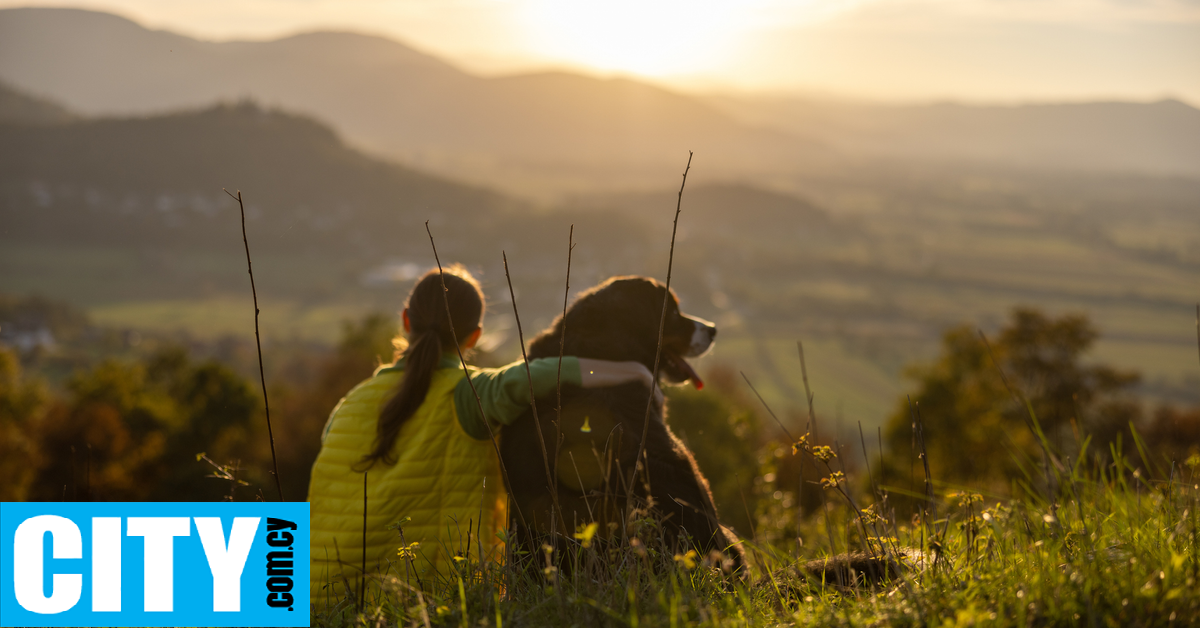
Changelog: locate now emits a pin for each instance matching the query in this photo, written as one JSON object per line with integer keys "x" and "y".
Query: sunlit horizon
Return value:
{"x": 981, "y": 51}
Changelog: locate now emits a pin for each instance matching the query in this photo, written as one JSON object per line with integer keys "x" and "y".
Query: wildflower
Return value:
{"x": 833, "y": 479}
{"x": 409, "y": 552}
{"x": 966, "y": 499}
{"x": 800, "y": 444}
{"x": 870, "y": 515}
{"x": 688, "y": 560}
{"x": 585, "y": 534}
{"x": 823, "y": 453}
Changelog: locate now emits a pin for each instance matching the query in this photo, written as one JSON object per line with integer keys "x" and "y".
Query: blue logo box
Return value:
{"x": 154, "y": 564}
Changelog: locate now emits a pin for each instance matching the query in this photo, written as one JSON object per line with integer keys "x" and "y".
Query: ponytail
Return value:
{"x": 431, "y": 333}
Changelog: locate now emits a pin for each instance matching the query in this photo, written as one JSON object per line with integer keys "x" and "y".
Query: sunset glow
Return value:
{"x": 652, "y": 39}
{"x": 897, "y": 50}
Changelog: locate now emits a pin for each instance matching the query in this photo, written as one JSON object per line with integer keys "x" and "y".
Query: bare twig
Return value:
{"x": 930, "y": 504}
{"x": 362, "y": 581}
{"x": 812, "y": 417}
{"x": 562, "y": 339}
{"x": 882, "y": 469}
{"x": 258, "y": 343}
{"x": 475, "y": 393}
{"x": 551, "y": 481}
{"x": 867, "y": 460}
{"x": 662, "y": 324}
{"x": 790, "y": 438}
{"x": 562, "y": 345}
{"x": 807, "y": 447}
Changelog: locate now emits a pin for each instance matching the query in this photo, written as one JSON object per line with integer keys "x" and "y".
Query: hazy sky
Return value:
{"x": 977, "y": 50}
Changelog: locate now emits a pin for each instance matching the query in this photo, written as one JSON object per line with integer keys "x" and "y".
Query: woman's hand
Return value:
{"x": 601, "y": 373}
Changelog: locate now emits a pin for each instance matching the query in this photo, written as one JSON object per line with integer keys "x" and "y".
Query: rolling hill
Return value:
{"x": 390, "y": 99}
{"x": 17, "y": 107}
{"x": 1157, "y": 138}
{"x": 544, "y": 135}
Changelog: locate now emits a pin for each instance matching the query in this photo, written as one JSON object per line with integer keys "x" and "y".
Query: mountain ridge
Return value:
{"x": 17, "y": 107}
{"x": 551, "y": 134}
{"x": 391, "y": 100}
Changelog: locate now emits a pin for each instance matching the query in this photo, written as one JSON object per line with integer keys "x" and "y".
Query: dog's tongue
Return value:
{"x": 687, "y": 369}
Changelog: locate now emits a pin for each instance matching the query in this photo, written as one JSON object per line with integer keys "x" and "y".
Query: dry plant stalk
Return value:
{"x": 834, "y": 480}
{"x": 562, "y": 344}
{"x": 475, "y": 393}
{"x": 551, "y": 480}
{"x": 362, "y": 581}
{"x": 662, "y": 324}
{"x": 812, "y": 417}
{"x": 258, "y": 343}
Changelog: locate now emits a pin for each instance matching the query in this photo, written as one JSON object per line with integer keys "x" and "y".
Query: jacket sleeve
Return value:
{"x": 504, "y": 392}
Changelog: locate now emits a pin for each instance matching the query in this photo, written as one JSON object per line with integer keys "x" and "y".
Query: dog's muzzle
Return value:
{"x": 702, "y": 337}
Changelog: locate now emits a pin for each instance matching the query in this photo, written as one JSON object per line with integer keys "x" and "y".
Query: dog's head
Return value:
{"x": 619, "y": 320}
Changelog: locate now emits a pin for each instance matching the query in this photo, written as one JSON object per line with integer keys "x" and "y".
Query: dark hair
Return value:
{"x": 431, "y": 333}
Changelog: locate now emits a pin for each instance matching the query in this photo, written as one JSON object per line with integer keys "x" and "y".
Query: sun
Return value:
{"x": 645, "y": 37}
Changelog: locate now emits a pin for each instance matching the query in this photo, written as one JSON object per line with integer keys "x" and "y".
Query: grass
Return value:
{"x": 1124, "y": 554}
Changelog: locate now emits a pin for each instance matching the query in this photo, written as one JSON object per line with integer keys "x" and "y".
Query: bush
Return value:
{"x": 976, "y": 428}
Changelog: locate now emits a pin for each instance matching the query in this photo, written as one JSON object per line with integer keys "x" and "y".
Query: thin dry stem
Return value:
{"x": 475, "y": 393}
{"x": 812, "y": 417}
{"x": 551, "y": 481}
{"x": 662, "y": 324}
{"x": 562, "y": 344}
{"x": 362, "y": 582}
{"x": 867, "y": 460}
{"x": 930, "y": 504}
{"x": 790, "y": 438}
{"x": 258, "y": 343}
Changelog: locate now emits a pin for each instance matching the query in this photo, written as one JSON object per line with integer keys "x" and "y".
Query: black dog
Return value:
{"x": 601, "y": 429}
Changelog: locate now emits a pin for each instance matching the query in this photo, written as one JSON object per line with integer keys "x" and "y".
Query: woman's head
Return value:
{"x": 425, "y": 309}
{"x": 430, "y": 334}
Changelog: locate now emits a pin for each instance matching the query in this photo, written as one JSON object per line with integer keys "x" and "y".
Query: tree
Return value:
{"x": 975, "y": 429}
{"x": 131, "y": 431}
{"x": 1174, "y": 435}
{"x": 22, "y": 404}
